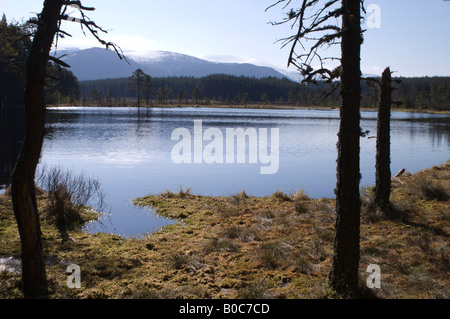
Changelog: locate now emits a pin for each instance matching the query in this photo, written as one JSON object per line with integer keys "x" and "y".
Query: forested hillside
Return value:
{"x": 13, "y": 53}
{"x": 415, "y": 93}
{"x": 62, "y": 86}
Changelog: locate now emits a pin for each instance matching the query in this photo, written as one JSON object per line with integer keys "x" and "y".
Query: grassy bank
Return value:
{"x": 279, "y": 246}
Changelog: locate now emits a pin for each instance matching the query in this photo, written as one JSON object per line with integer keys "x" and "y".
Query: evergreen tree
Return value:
{"x": 136, "y": 83}
{"x": 180, "y": 96}
{"x": 148, "y": 88}
{"x": 196, "y": 95}
{"x": 14, "y": 48}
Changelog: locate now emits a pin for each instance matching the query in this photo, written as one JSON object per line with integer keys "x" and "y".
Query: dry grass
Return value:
{"x": 240, "y": 246}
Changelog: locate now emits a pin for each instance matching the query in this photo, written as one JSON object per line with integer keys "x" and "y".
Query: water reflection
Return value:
{"x": 129, "y": 151}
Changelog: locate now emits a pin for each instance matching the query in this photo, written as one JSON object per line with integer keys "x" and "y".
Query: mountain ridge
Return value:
{"x": 98, "y": 63}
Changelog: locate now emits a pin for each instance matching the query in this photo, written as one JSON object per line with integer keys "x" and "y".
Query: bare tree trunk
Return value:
{"x": 344, "y": 273}
{"x": 383, "y": 157}
{"x": 22, "y": 187}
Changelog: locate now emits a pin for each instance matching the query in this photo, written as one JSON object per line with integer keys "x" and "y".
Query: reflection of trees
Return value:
{"x": 151, "y": 128}
{"x": 434, "y": 129}
{"x": 439, "y": 133}
{"x": 12, "y": 129}
{"x": 59, "y": 118}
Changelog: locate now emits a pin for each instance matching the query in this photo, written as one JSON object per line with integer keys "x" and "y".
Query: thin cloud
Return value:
{"x": 125, "y": 42}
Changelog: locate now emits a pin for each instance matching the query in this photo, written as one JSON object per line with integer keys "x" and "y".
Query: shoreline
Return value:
{"x": 255, "y": 106}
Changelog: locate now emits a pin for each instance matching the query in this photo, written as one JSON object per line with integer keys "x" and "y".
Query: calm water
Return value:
{"x": 129, "y": 151}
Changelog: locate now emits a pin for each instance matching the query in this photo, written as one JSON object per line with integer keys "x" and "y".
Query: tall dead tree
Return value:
{"x": 48, "y": 24}
{"x": 383, "y": 156}
{"x": 322, "y": 23}
{"x": 344, "y": 272}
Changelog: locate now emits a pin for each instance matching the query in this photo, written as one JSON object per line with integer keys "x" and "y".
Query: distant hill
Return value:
{"x": 97, "y": 63}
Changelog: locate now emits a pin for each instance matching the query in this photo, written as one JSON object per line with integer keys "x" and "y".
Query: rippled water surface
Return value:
{"x": 129, "y": 151}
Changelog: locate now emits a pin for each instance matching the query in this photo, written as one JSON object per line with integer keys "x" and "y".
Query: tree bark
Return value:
{"x": 383, "y": 157}
{"x": 344, "y": 273}
{"x": 22, "y": 186}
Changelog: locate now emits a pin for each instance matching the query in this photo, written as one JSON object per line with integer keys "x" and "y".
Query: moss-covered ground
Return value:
{"x": 279, "y": 246}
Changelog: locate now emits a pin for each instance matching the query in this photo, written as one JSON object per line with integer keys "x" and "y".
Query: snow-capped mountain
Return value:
{"x": 157, "y": 56}
{"x": 98, "y": 63}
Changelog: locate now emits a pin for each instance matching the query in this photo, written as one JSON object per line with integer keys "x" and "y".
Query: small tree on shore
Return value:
{"x": 136, "y": 83}
{"x": 148, "y": 88}
{"x": 196, "y": 95}
{"x": 180, "y": 96}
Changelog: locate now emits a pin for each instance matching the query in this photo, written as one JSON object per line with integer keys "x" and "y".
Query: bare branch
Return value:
{"x": 316, "y": 28}
{"x": 59, "y": 61}
{"x": 277, "y": 3}
{"x": 62, "y": 33}
{"x": 78, "y": 5}
{"x": 85, "y": 22}
{"x": 91, "y": 26}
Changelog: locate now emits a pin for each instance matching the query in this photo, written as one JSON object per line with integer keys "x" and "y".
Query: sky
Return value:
{"x": 410, "y": 36}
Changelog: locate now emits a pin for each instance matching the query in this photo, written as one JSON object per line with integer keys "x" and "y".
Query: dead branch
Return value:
{"x": 58, "y": 61}
{"x": 86, "y": 23}
{"x": 78, "y": 5}
{"x": 317, "y": 28}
